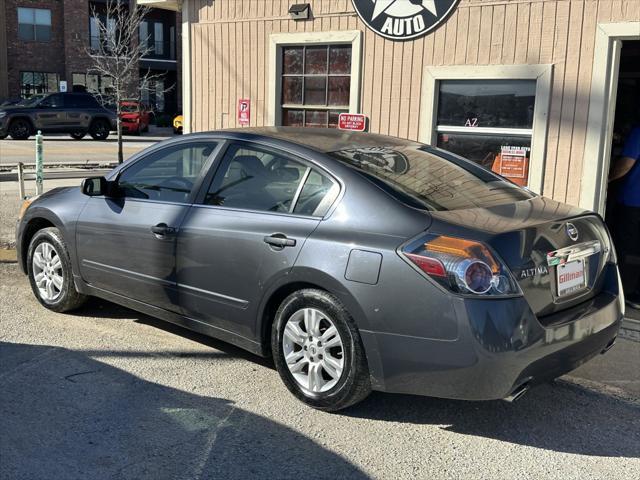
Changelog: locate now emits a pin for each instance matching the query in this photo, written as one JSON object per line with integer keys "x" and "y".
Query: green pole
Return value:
{"x": 39, "y": 163}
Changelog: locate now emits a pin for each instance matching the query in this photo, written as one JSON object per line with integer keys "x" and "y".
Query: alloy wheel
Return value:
{"x": 313, "y": 350}
{"x": 47, "y": 271}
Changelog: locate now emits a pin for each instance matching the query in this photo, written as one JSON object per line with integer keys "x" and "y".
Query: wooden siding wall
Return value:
{"x": 230, "y": 48}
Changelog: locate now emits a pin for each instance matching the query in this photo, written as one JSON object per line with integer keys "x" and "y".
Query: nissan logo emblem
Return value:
{"x": 572, "y": 231}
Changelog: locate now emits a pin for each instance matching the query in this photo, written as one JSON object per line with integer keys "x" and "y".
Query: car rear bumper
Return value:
{"x": 501, "y": 346}
{"x": 130, "y": 126}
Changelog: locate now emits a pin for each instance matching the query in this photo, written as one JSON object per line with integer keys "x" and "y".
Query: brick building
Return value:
{"x": 45, "y": 49}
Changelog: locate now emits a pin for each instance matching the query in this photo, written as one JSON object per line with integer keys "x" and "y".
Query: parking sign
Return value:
{"x": 244, "y": 111}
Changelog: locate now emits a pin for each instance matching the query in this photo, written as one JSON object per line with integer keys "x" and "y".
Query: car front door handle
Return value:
{"x": 279, "y": 240}
{"x": 162, "y": 229}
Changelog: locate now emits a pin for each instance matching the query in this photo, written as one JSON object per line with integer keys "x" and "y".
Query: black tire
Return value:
{"x": 78, "y": 135}
{"x": 354, "y": 384}
{"x": 99, "y": 129}
{"x": 3, "y": 136}
{"x": 20, "y": 129}
{"x": 68, "y": 297}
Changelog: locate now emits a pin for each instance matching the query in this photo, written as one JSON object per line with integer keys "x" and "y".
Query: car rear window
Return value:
{"x": 430, "y": 179}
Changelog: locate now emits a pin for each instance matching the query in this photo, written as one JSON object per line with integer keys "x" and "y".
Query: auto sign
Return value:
{"x": 403, "y": 19}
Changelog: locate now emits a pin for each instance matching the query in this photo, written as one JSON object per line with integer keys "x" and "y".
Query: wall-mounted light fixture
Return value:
{"x": 300, "y": 11}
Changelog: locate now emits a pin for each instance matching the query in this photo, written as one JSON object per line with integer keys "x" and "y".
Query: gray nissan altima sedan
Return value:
{"x": 358, "y": 261}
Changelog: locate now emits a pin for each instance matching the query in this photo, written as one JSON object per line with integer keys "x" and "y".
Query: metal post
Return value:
{"x": 21, "y": 180}
{"x": 39, "y": 163}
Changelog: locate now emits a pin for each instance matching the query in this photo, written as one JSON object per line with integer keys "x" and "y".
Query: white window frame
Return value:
{"x": 602, "y": 103}
{"x": 279, "y": 40}
{"x": 542, "y": 74}
{"x": 34, "y": 23}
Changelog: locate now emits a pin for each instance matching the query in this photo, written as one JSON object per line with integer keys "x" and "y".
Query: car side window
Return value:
{"x": 166, "y": 175}
{"x": 82, "y": 101}
{"x": 53, "y": 101}
{"x": 317, "y": 195}
{"x": 253, "y": 178}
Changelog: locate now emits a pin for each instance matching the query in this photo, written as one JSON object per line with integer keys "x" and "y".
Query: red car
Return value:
{"x": 135, "y": 117}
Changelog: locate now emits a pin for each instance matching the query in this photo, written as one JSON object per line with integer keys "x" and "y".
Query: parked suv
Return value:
{"x": 73, "y": 113}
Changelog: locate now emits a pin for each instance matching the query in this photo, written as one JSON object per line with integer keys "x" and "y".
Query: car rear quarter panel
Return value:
{"x": 401, "y": 301}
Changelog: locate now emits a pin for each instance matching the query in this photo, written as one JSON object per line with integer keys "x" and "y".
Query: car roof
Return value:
{"x": 325, "y": 139}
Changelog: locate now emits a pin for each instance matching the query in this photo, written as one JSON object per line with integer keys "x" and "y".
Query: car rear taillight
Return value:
{"x": 461, "y": 265}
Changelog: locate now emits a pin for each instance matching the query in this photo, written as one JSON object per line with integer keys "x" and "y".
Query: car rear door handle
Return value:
{"x": 279, "y": 240}
{"x": 162, "y": 229}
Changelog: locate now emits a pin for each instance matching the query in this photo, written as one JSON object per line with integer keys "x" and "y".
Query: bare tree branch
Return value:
{"x": 117, "y": 51}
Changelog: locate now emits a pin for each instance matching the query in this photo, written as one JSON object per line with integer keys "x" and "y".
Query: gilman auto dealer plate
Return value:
{"x": 403, "y": 19}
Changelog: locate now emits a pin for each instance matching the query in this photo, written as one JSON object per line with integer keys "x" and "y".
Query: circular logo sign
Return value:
{"x": 403, "y": 19}
{"x": 380, "y": 158}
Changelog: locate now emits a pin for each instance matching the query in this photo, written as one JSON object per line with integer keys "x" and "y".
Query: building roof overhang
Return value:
{"x": 175, "y": 5}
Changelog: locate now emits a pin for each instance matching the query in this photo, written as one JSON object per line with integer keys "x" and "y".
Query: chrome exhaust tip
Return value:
{"x": 517, "y": 393}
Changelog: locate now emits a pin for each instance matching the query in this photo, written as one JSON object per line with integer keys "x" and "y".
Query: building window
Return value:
{"x": 92, "y": 82}
{"x": 32, "y": 83}
{"x": 34, "y": 24}
{"x": 152, "y": 39}
{"x": 153, "y": 94}
{"x": 495, "y": 115}
{"x": 102, "y": 31}
{"x": 300, "y": 64}
{"x": 315, "y": 84}
{"x": 158, "y": 33}
{"x": 489, "y": 122}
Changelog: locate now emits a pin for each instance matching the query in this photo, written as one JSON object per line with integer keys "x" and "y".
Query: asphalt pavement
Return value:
{"x": 107, "y": 393}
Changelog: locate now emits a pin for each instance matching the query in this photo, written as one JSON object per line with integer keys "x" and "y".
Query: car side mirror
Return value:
{"x": 95, "y": 186}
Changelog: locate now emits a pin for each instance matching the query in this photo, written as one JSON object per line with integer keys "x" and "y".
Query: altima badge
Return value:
{"x": 531, "y": 272}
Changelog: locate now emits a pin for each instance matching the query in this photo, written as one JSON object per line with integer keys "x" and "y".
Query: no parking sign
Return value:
{"x": 244, "y": 111}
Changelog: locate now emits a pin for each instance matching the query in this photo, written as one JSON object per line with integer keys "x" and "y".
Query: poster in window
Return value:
{"x": 513, "y": 163}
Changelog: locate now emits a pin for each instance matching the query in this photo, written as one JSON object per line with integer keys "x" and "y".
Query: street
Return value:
{"x": 62, "y": 149}
{"x": 106, "y": 393}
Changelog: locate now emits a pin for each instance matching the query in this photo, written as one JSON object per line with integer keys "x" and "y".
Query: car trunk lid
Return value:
{"x": 556, "y": 252}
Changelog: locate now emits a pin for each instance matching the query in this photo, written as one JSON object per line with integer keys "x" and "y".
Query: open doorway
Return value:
{"x": 625, "y": 191}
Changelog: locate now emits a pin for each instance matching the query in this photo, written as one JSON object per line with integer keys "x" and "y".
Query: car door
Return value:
{"x": 246, "y": 230}
{"x": 126, "y": 243}
{"x": 50, "y": 115}
{"x": 79, "y": 108}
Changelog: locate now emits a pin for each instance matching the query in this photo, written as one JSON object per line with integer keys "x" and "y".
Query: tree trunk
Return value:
{"x": 120, "y": 154}
{"x": 119, "y": 124}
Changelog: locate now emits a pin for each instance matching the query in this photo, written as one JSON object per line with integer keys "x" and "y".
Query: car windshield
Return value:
{"x": 430, "y": 179}
{"x": 129, "y": 108}
{"x": 31, "y": 101}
